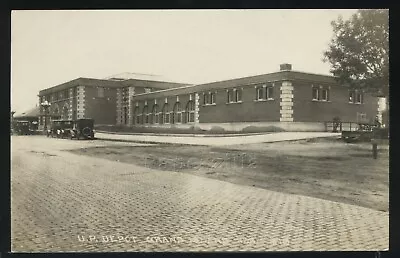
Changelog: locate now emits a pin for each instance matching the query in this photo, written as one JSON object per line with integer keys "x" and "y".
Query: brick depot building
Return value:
{"x": 107, "y": 101}
{"x": 290, "y": 100}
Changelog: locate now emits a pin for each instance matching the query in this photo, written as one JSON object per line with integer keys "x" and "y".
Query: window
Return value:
{"x": 230, "y": 96}
{"x": 65, "y": 112}
{"x": 147, "y": 90}
{"x": 100, "y": 92}
{"x": 351, "y": 96}
{"x": 209, "y": 98}
{"x": 138, "y": 118}
{"x": 238, "y": 95}
{"x": 66, "y": 93}
{"x": 361, "y": 118}
{"x": 149, "y": 117}
{"x": 205, "y": 98}
{"x": 325, "y": 95}
{"x": 135, "y": 115}
{"x": 190, "y": 111}
{"x": 177, "y": 115}
{"x": 358, "y": 97}
{"x": 355, "y": 96}
{"x": 75, "y": 91}
{"x": 212, "y": 97}
{"x": 125, "y": 115}
{"x": 259, "y": 93}
{"x": 315, "y": 93}
{"x": 145, "y": 115}
{"x": 155, "y": 114}
{"x": 166, "y": 114}
{"x": 269, "y": 92}
{"x": 234, "y": 95}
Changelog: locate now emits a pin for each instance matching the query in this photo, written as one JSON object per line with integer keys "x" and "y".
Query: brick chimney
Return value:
{"x": 286, "y": 67}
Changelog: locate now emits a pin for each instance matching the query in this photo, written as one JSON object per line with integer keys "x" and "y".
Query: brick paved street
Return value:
{"x": 65, "y": 202}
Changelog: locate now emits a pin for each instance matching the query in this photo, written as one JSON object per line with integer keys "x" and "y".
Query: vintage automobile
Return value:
{"x": 65, "y": 128}
{"x": 22, "y": 128}
{"x": 82, "y": 128}
{"x": 55, "y": 126}
{"x": 60, "y": 128}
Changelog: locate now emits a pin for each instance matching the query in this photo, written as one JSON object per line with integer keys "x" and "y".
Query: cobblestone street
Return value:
{"x": 64, "y": 202}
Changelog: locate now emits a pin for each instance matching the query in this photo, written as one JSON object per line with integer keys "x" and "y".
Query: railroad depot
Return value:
{"x": 286, "y": 99}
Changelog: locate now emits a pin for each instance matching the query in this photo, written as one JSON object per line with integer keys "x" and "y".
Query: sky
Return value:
{"x": 192, "y": 46}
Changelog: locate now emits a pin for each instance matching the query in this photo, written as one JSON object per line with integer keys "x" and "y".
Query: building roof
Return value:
{"x": 244, "y": 81}
{"x": 33, "y": 112}
{"x": 142, "y": 77}
{"x": 109, "y": 83}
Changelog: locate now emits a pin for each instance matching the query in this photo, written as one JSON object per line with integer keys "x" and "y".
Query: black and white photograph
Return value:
{"x": 211, "y": 130}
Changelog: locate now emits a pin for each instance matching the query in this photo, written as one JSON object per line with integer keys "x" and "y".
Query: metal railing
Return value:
{"x": 332, "y": 126}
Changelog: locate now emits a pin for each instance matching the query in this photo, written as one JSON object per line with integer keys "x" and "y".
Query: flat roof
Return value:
{"x": 243, "y": 81}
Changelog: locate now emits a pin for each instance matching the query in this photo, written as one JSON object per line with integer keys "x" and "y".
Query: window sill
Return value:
{"x": 205, "y": 105}
{"x": 263, "y": 100}
{"x": 323, "y": 101}
{"x": 238, "y": 102}
{"x": 355, "y": 103}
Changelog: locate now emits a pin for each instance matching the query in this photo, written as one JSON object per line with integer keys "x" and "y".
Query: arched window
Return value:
{"x": 145, "y": 115}
{"x": 56, "y": 112}
{"x": 155, "y": 114}
{"x": 136, "y": 116}
{"x": 150, "y": 116}
{"x": 166, "y": 114}
{"x": 177, "y": 116}
{"x": 190, "y": 112}
{"x": 65, "y": 112}
{"x": 125, "y": 115}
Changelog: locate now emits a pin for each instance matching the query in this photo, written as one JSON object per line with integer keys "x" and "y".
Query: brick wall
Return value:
{"x": 138, "y": 106}
{"x": 307, "y": 110}
{"x": 247, "y": 111}
{"x": 101, "y": 109}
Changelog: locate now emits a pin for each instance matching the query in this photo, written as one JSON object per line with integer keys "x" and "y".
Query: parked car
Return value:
{"x": 54, "y": 129}
{"x": 82, "y": 128}
{"x": 22, "y": 128}
{"x": 65, "y": 128}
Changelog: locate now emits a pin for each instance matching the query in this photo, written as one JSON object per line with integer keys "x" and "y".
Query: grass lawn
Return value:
{"x": 324, "y": 168}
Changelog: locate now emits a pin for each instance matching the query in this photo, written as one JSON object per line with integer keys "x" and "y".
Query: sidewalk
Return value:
{"x": 215, "y": 140}
{"x": 182, "y": 134}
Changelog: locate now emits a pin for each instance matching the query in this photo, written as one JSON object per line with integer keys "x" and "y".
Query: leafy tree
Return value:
{"x": 359, "y": 51}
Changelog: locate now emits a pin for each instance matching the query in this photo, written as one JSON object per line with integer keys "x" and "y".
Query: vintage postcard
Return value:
{"x": 199, "y": 130}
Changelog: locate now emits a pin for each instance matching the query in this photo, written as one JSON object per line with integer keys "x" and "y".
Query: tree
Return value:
{"x": 359, "y": 51}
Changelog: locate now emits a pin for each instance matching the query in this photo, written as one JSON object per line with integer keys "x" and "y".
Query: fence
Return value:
{"x": 347, "y": 126}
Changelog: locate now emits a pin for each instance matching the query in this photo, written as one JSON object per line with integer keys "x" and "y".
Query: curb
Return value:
{"x": 185, "y": 135}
